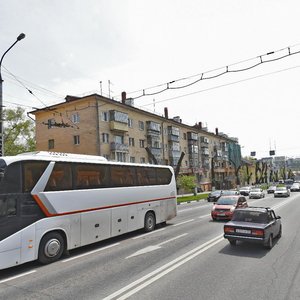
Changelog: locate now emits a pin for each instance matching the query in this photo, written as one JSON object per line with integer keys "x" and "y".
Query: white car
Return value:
{"x": 282, "y": 191}
{"x": 256, "y": 193}
{"x": 245, "y": 190}
{"x": 295, "y": 187}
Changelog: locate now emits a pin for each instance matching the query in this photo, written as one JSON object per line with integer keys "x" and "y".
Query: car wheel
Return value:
{"x": 232, "y": 242}
{"x": 280, "y": 232}
{"x": 269, "y": 244}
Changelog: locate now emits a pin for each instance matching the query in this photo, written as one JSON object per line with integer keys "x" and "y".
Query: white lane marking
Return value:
{"x": 90, "y": 252}
{"x": 205, "y": 216}
{"x": 194, "y": 208}
{"x": 163, "y": 270}
{"x": 17, "y": 276}
{"x": 282, "y": 203}
{"x": 188, "y": 221}
{"x": 154, "y": 247}
{"x": 146, "y": 234}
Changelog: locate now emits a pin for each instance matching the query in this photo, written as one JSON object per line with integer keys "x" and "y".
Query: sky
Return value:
{"x": 75, "y": 47}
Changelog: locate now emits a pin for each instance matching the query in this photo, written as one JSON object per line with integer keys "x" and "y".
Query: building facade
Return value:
{"x": 119, "y": 131}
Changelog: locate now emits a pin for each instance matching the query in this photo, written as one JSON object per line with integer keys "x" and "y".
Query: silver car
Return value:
{"x": 256, "y": 193}
{"x": 282, "y": 191}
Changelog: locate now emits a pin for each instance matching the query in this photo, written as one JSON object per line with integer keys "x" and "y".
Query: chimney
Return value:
{"x": 200, "y": 125}
{"x": 123, "y": 97}
{"x": 217, "y": 131}
{"x": 166, "y": 113}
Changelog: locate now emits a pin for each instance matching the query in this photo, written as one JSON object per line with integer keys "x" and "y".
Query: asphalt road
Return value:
{"x": 186, "y": 259}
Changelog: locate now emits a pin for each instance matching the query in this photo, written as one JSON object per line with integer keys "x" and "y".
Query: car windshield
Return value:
{"x": 229, "y": 193}
{"x": 281, "y": 188}
{"x": 250, "y": 216}
{"x": 226, "y": 201}
{"x": 255, "y": 190}
{"x": 216, "y": 193}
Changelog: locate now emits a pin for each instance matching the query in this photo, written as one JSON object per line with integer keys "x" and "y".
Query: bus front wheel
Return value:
{"x": 51, "y": 247}
{"x": 149, "y": 221}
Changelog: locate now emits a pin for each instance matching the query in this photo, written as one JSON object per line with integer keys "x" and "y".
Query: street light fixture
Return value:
{"x": 19, "y": 38}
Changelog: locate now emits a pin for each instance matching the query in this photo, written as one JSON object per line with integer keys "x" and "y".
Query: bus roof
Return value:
{"x": 64, "y": 155}
{"x": 68, "y": 157}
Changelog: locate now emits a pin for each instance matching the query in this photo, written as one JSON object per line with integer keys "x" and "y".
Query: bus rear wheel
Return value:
{"x": 149, "y": 224}
{"x": 51, "y": 247}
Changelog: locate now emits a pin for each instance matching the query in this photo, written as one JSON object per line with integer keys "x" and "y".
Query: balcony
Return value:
{"x": 192, "y": 136}
{"x": 174, "y": 154}
{"x": 193, "y": 149}
{"x": 155, "y": 151}
{"x": 153, "y": 128}
{"x": 119, "y": 147}
{"x": 118, "y": 121}
{"x": 117, "y": 126}
{"x": 173, "y": 138}
{"x": 205, "y": 152}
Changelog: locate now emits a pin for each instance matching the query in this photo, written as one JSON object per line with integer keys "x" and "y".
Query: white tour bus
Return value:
{"x": 53, "y": 202}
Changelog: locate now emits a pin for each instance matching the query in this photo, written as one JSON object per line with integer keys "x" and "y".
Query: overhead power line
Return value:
{"x": 256, "y": 61}
{"x": 221, "y": 85}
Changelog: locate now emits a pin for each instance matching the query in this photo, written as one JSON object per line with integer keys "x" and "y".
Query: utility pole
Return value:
{"x": 19, "y": 38}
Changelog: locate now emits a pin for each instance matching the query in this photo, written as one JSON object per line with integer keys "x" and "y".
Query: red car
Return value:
{"x": 223, "y": 209}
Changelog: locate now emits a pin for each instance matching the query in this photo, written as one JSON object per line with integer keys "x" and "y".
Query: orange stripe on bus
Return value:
{"x": 42, "y": 206}
{"x": 48, "y": 214}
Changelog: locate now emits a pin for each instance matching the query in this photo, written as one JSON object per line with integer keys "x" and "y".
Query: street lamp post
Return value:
{"x": 19, "y": 38}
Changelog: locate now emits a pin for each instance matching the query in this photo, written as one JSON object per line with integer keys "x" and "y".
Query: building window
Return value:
{"x": 51, "y": 123}
{"x": 131, "y": 142}
{"x": 132, "y": 159}
{"x": 184, "y": 136}
{"x": 130, "y": 123}
{"x": 120, "y": 156}
{"x": 142, "y": 143}
{"x": 50, "y": 144}
{"x": 105, "y": 116}
{"x": 105, "y": 138}
{"x": 75, "y": 118}
{"x": 143, "y": 160}
{"x": 119, "y": 139}
{"x": 156, "y": 145}
{"x": 141, "y": 125}
{"x": 76, "y": 139}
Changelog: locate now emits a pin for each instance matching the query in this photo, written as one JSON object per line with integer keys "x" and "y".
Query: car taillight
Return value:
{"x": 257, "y": 232}
{"x": 228, "y": 229}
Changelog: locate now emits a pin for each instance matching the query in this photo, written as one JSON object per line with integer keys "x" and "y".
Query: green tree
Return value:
{"x": 186, "y": 183}
{"x": 19, "y": 134}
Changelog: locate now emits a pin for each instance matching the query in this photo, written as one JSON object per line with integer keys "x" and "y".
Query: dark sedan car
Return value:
{"x": 271, "y": 189}
{"x": 214, "y": 196}
{"x": 253, "y": 224}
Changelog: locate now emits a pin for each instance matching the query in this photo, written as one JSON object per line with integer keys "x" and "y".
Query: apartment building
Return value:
{"x": 119, "y": 131}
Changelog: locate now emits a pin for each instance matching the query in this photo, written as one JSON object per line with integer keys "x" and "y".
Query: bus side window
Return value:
{"x": 118, "y": 176}
{"x": 128, "y": 176}
{"x": 11, "y": 207}
{"x": 3, "y": 207}
{"x": 28, "y": 182}
{"x": 8, "y": 207}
